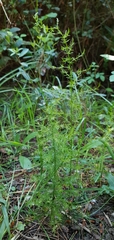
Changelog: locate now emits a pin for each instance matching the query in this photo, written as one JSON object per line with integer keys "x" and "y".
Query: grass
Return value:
{"x": 56, "y": 144}
{"x": 64, "y": 142}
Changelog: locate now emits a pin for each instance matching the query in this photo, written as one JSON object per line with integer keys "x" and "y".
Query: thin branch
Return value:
{"x": 1, "y": 3}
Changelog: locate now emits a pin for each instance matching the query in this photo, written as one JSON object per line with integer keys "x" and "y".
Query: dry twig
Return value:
{"x": 1, "y": 3}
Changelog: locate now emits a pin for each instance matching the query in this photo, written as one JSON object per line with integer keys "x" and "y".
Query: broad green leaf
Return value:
{"x": 109, "y": 90}
{"x": 24, "y": 64}
{"x": 102, "y": 78}
{"x": 24, "y": 74}
{"x": 108, "y": 57}
{"x": 50, "y": 15}
{"x": 94, "y": 144}
{"x": 19, "y": 42}
{"x": 24, "y": 51}
{"x": 3, "y": 34}
{"x": 14, "y": 29}
{"x": 110, "y": 179}
{"x": 20, "y": 226}
{"x": 111, "y": 78}
{"x": 25, "y": 162}
{"x": 74, "y": 76}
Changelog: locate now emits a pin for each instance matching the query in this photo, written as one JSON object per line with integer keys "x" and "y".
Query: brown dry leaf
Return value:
{"x": 101, "y": 230}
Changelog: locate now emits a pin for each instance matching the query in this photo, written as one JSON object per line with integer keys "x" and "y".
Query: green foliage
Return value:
{"x": 110, "y": 58}
{"x": 108, "y": 189}
{"x": 4, "y": 224}
{"x": 25, "y": 162}
{"x": 63, "y": 134}
{"x": 63, "y": 142}
{"x": 91, "y": 25}
{"x": 32, "y": 55}
{"x": 93, "y": 74}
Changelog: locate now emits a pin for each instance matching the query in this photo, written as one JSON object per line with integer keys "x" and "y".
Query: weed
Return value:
{"x": 57, "y": 135}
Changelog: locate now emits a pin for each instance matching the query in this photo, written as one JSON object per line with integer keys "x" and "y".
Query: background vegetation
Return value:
{"x": 56, "y": 112}
{"x": 90, "y": 25}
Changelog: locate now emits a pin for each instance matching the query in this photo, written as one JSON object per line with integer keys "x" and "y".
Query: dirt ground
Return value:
{"x": 98, "y": 225}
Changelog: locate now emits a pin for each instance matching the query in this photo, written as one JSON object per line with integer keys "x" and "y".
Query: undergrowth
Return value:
{"x": 61, "y": 138}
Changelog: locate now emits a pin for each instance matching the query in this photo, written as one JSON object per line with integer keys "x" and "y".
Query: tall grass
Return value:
{"x": 63, "y": 135}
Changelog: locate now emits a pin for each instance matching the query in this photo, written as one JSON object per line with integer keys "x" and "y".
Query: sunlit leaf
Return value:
{"x": 24, "y": 64}
{"x": 24, "y": 74}
{"x": 24, "y": 51}
{"x": 108, "y": 57}
{"x": 111, "y": 78}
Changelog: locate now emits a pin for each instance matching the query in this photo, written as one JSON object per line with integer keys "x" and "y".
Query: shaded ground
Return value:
{"x": 97, "y": 224}
{"x": 100, "y": 225}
